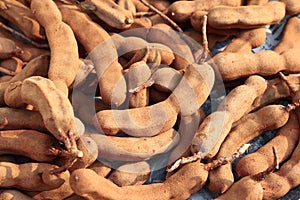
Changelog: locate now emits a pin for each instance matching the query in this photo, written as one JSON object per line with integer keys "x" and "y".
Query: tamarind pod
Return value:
{"x": 256, "y": 2}
{"x": 264, "y": 63}
{"x": 127, "y": 5}
{"x": 188, "y": 180}
{"x": 138, "y": 74}
{"x": 187, "y": 129}
{"x": 180, "y": 11}
{"x": 14, "y": 119}
{"x": 100, "y": 168}
{"x": 247, "y": 40}
{"x": 8, "y": 48}
{"x": 89, "y": 150}
{"x": 245, "y": 188}
{"x": 242, "y": 16}
{"x": 57, "y": 115}
{"x": 292, "y": 6}
{"x": 279, "y": 183}
{"x": 13, "y": 142}
{"x": 13, "y": 65}
{"x": 139, "y": 122}
{"x": 21, "y": 16}
{"x": 110, "y": 73}
{"x": 61, "y": 71}
{"x": 289, "y": 38}
{"x": 188, "y": 96}
{"x": 208, "y": 139}
{"x": 10, "y": 194}
{"x": 136, "y": 173}
{"x": 221, "y": 178}
{"x": 134, "y": 149}
{"x": 29, "y": 52}
{"x": 285, "y": 141}
{"x": 112, "y": 14}
{"x": 166, "y": 79}
{"x": 30, "y": 176}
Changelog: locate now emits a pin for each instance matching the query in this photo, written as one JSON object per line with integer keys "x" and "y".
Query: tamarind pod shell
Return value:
{"x": 13, "y": 142}
{"x": 187, "y": 181}
{"x": 134, "y": 149}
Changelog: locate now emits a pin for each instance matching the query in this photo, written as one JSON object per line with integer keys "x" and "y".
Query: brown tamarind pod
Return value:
{"x": 17, "y": 142}
{"x": 289, "y": 38}
{"x": 30, "y": 176}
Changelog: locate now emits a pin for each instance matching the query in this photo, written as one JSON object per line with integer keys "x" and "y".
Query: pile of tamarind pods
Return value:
{"x": 94, "y": 94}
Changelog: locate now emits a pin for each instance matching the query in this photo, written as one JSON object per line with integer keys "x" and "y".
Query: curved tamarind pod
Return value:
{"x": 221, "y": 178}
{"x": 247, "y": 40}
{"x": 264, "y": 63}
{"x": 30, "y": 176}
{"x": 292, "y": 6}
{"x": 8, "y": 48}
{"x": 285, "y": 141}
{"x": 136, "y": 173}
{"x": 10, "y": 194}
{"x": 289, "y": 38}
{"x": 180, "y": 11}
{"x": 18, "y": 142}
{"x": 111, "y": 13}
{"x": 110, "y": 73}
{"x": 187, "y": 97}
{"x": 61, "y": 71}
{"x": 242, "y": 16}
{"x": 191, "y": 177}
{"x": 57, "y": 115}
{"x": 21, "y": 16}
{"x": 208, "y": 138}
{"x": 134, "y": 149}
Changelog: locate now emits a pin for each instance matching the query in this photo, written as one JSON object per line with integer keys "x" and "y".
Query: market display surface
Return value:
{"x": 157, "y": 99}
